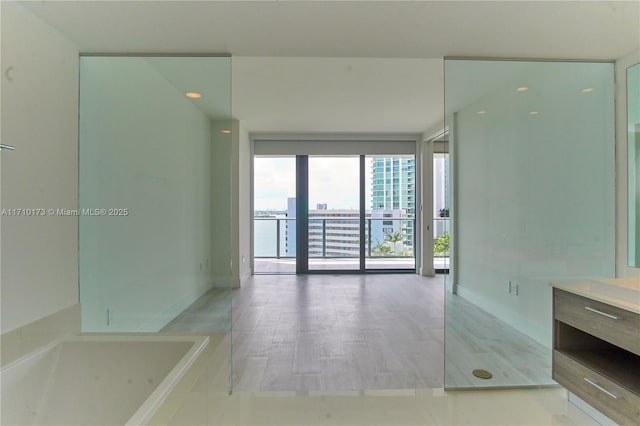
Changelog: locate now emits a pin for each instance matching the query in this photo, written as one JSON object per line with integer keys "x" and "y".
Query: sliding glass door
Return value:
{"x": 347, "y": 206}
{"x": 391, "y": 212}
{"x": 334, "y": 210}
{"x": 360, "y": 213}
{"x": 274, "y": 215}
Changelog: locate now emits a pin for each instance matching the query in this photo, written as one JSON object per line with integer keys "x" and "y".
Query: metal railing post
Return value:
{"x": 369, "y": 237}
{"x": 413, "y": 239}
{"x": 278, "y": 238}
{"x": 324, "y": 237}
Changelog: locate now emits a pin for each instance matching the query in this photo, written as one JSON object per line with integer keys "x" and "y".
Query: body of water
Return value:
{"x": 264, "y": 234}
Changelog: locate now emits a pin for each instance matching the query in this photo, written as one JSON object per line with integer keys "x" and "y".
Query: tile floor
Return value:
{"x": 533, "y": 407}
{"x": 351, "y": 332}
{"x": 476, "y": 339}
{"x": 305, "y": 311}
{"x": 328, "y": 332}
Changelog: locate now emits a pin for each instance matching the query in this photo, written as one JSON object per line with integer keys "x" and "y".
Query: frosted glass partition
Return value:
{"x": 533, "y": 185}
{"x": 633, "y": 138}
{"x": 155, "y": 195}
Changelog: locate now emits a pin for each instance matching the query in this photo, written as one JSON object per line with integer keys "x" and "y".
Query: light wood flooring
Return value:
{"x": 477, "y": 340}
{"x": 210, "y": 313}
{"x": 328, "y": 332}
{"x": 354, "y": 332}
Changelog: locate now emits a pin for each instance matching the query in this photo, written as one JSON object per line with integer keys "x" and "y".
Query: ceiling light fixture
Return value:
{"x": 482, "y": 112}
{"x": 587, "y": 90}
{"x": 226, "y": 131}
{"x": 193, "y": 95}
{"x": 534, "y": 113}
{"x": 522, "y": 89}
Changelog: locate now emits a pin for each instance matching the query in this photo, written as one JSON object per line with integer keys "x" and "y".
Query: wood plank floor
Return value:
{"x": 353, "y": 332}
{"x": 475, "y": 339}
{"x": 328, "y": 332}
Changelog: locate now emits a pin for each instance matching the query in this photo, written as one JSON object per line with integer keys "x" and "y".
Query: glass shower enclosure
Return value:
{"x": 155, "y": 199}
{"x": 532, "y": 181}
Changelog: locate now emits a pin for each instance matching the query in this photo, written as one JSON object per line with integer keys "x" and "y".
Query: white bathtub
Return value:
{"x": 91, "y": 380}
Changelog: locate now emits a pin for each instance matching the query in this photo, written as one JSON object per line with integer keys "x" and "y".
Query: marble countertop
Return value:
{"x": 619, "y": 292}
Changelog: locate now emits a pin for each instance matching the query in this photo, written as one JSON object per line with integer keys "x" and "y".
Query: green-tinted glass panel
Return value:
{"x": 532, "y": 169}
{"x": 633, "y": 155}
{"x": 155, "y": 152}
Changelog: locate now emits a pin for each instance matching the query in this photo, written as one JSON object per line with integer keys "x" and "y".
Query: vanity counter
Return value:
{"x": 618, "y": 292}
{"x": 596, "y": 344}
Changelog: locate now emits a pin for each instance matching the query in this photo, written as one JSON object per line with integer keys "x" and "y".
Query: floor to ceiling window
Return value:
{"x": 441, "y": 228}
{"x": 324, "y": 212}
{"x": 333, "y": 213}
{"x": 391, "y": 219}
{"x": 274, "y": 223}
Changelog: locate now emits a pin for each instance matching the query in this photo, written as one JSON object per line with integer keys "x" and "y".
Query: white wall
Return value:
{"x": 224, "y": 247}
{"x": 622, "y": 268}
{"x": 534, "y": 199}
{"x": 244, "y": 205}
{"x": 147, "y": 148}
{"x": 39, "y": 117}
{"x": 230, "y": 203}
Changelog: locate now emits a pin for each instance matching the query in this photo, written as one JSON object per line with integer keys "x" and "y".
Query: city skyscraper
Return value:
{"x": 393, "y": 192}
{"x": 393, "y": 182}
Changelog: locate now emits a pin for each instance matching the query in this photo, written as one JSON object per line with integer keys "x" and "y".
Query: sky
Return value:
{"x": 332, "y": 180}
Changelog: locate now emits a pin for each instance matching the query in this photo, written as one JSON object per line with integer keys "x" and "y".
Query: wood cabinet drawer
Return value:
{"x": 614, "y": 401}
{"x": 609, "y": 323}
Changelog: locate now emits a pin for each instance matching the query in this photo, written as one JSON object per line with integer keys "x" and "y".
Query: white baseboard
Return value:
{"x": 452, "y": 287}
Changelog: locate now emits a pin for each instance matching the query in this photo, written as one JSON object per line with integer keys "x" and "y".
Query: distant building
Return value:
{"x": 393, "y": 199}
{"x": 393, "y": 184}
{"x": 440, "y": 191}
{"x": 336, "y": 233}
{"x": 332, "y": 233}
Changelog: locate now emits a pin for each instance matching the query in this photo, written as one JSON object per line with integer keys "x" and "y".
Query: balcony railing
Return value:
{"x": 271, "y": 237}
{"x": 441, "y": 232}
{"x": 386, "y": 240}
{"x": 336, "y": 237}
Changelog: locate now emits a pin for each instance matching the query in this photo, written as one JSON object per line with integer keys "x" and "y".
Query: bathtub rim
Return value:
{"x": 154, "y": 400}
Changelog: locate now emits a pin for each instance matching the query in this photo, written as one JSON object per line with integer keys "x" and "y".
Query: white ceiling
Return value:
{"x": 208, "y": 76}
{"x": 283, "y": 81}
{"x": 337, "y": 94}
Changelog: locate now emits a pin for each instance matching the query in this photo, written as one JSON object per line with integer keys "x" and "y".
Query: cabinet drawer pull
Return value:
{"x": 613, "y": 317}
{"x": 600, "y": 388}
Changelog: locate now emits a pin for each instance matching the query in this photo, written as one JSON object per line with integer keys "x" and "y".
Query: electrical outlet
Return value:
{"x": 243, "y": 259}
{"x": 507, "y": 286}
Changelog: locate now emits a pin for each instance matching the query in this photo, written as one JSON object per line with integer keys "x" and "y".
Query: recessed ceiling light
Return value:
{"x": 534, "y": 113}
{"x": 193, "y": 95}
{"x": 482, "y": 112}
{"x": 226, "y": 131}
{"x": 522, "y": 89}
{"x": 587, "y": 90}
